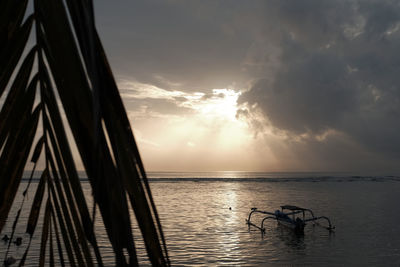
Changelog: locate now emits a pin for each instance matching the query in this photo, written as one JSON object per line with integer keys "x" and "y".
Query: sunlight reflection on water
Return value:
{"x": 200, "y": 228}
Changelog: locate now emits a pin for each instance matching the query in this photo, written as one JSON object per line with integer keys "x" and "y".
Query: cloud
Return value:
{"x": 147, "y": 100}
{"x": 319, "y": 80}
{"x": 176, "y": 45}
{"x": 337, "y": 70}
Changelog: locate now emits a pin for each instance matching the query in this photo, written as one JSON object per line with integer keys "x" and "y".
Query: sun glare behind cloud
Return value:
{"x": 222, "y": 104}
{"x": 195, "y": 124}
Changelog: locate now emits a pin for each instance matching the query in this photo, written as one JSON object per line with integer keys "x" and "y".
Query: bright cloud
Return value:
{"x": 208, "y": 137}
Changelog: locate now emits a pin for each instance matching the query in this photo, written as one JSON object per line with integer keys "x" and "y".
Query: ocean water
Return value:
{"x": 203, "y": 218}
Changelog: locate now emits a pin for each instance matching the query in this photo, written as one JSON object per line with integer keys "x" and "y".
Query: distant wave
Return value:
{"x": 282, "y": 179}
{"x": 266, "y": 179}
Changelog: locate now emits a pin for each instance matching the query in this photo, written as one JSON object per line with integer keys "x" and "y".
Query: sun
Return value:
{"x": 221, "y": 104}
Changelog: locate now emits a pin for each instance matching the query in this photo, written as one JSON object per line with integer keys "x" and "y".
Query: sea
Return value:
{"x": 203, "y": 215}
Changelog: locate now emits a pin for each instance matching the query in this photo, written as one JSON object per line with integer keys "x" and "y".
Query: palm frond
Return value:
{"x": 75, "y": 71}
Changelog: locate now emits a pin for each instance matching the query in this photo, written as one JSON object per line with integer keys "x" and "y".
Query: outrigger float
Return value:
{"x": 287, "y": 217}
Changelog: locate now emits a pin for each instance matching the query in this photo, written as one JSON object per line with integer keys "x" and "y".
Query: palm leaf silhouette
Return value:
{"x": 71, "y": 68}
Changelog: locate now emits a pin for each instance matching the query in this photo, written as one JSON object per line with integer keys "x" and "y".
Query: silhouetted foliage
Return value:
{"x": 68, "y": 64}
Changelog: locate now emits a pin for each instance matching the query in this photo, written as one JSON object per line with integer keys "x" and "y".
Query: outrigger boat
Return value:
{"x": 287, "y": 217}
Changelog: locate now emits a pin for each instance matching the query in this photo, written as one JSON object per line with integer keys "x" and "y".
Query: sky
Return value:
{"x": 258, "y": 85}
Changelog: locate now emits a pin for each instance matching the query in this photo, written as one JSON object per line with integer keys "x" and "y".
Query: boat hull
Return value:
{"x": 297, "y": 227}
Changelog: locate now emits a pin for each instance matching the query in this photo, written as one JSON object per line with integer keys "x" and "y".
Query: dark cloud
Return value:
{"x": 180, "y": 99}
{"x": 212, "y": 95}
{"x": 174, "y": 44}
{"x": 338, "y": 70}
{"x": 155, "y": 106}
